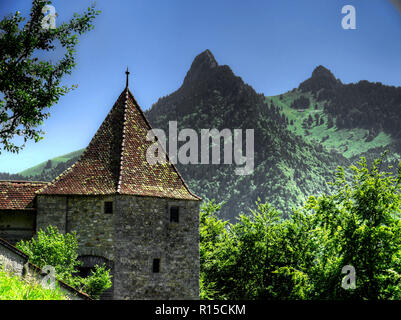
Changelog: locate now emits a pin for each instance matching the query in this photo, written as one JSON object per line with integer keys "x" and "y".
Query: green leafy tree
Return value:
{"x": 361, "y": 222}
{"x": 330, "y": 122}
{"x": 29, "y": 86}
{"x": 260, "y": 257}
{"x": 50, "y": 247}
{"x": 310, "y": 120}
{"x": 48, "y": 165}
{"x": 212, "y": 231}
{"x": 264, "y": 256}
{"x": 317, "y": 119}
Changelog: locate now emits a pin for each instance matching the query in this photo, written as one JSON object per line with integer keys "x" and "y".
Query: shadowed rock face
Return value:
{"x": 397, "y": 4}
{"x": 209, "y": 89}
{"x": 201, "y": 66}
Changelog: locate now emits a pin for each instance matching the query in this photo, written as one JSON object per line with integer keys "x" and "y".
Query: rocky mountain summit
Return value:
{"x": 212, "y": 96}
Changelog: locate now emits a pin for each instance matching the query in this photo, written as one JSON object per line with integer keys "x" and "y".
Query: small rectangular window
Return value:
{"x": 108, "y": 207}
{"x": 174, "y": 214}
{"x": 156, "y": 265}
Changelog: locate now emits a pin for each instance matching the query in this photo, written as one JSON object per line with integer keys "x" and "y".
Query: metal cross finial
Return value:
{"x": 127, "y": 73}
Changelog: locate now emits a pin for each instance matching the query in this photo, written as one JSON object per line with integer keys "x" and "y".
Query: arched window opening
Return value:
{"x": 88, "y": 264}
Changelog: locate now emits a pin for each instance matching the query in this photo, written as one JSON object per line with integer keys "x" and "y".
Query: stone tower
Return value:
{"x": 140, "y": 219}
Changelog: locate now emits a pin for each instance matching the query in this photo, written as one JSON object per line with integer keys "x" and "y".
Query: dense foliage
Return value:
{"x": 52, "y": 248}
{"x": 359, "y": 104}
{"x": 263, "y": 256}
{"x": 29, "y": 84}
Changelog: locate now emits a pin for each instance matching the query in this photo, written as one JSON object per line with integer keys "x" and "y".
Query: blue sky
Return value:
{"x": 272, "y": 44}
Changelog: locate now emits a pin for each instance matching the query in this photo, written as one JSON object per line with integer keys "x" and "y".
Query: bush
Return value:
{"x": 50, "y": 247}
{"x": 53, "y": 248}
{"x": 97, "y": 282}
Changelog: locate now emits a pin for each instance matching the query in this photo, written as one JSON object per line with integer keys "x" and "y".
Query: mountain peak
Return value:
{"x": 321, "y": 71}
{"x": 205, "y": 59}
{"x": 202, "y": 63}
{"x": 322, "y": 78}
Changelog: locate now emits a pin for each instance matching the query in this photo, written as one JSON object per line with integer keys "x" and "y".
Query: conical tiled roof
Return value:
{"x": 115, "y": 161}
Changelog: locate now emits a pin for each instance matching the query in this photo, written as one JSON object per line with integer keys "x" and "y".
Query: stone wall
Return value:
{"x": 138, "y": 231}
{"x": 143, "y": 232}
{"x": 10, "y": 260}
{"x": 51, "y": 210}
{"x": 94, "y": 227}
{"x": 82, "y": 214}
{"x": 85, "y": 216}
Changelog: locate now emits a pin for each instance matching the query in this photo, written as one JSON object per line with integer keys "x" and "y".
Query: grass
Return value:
{"x": 36, "y": 170}
{"x": 348, "y": 142}
{"x": 15, "y": 288}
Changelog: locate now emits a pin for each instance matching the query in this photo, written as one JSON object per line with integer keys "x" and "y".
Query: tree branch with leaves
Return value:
{"x": 30, "y": 86}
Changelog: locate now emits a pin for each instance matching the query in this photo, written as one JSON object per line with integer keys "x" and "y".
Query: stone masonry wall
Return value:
{"x": 94, "y": 227}
{"x": 143, "y": 232}
{"x": 82, "y": 214}
{"x": 51, "y": 210}
{"x": 10, "y": 261}
{"x": 138, "y": 231}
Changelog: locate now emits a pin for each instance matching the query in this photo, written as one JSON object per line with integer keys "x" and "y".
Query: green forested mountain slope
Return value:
{"x": 353, "y": 119}
{"x": 287, "y": 167}
{"x": 300, "y": 135}
{"x": 47, "y": 170}
{"x": 371, "y": 106}
{"x": 50, "y": 164}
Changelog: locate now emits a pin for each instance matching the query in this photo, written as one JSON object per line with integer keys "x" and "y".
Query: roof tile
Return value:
{"x": 18, "y": 195}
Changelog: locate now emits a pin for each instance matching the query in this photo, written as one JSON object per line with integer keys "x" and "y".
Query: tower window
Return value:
{"x": 108, "y": 207}
{"x": 156, "y": 266}
{"x": 174, "y": 214}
